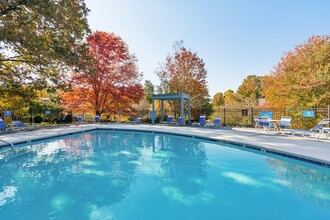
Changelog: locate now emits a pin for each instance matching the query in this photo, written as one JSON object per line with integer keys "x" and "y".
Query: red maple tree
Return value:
{"x": 110, "y": 83}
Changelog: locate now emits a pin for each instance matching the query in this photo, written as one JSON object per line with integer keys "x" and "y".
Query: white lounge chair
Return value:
{"x": 317, "y": 131}
{"x": 20, "y": 125}
{"x": 284, "y": 125}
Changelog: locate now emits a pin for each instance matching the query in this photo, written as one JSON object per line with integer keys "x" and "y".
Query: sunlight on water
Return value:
{"x": 7, "y": 195}
{"x": 103, "y": 213}
{"x": 179, "y": 196}
{"x": 163, "y": 154}
{"x": 321, "y": 194}
{"x": 94, "y": 172}
{"x": 124, "y": 152}
{"x": 147, "y": 152}
{"x": 197, "y": 180}
{"x": 88, "y": 163}
{"x": 150, "y": 168}
{"x": 50, "y": 149}
{"x": 136, "y": 162}
{"x": 281, "y": 182}
{"x": 241, "y": 178}
{"x": 118, "y": 182}
{"x": 60, "y": 202}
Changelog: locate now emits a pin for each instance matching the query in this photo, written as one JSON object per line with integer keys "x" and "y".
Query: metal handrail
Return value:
{"x": 7, "y": 142}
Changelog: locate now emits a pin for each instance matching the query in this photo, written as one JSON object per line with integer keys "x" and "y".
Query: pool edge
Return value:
{"x": 310, "y": 160}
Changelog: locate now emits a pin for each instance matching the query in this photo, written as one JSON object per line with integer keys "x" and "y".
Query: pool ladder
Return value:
{"x": 7, "y": 142}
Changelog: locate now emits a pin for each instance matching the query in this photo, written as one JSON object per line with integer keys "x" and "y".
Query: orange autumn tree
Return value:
{"x": 302, "y": 77}
{"x": 184, "y": 72}
{"x": 111, "y": 81}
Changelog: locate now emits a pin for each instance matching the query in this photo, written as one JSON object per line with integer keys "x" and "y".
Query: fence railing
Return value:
{"x": 244, "y": 116}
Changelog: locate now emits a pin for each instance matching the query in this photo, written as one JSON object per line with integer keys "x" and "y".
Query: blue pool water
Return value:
{"x": 128, "y": 175}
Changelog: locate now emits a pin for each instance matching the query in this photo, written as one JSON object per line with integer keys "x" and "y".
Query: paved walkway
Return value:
{"x": 317, "y": 150}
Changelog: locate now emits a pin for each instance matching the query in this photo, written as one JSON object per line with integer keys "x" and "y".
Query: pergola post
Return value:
{"x": 162, "y": 110}
{"x": 153, "y": 109}
{"x": 188, "y": 111}
{"x": 180, "y": 96}
{"x": 182, "y": 108}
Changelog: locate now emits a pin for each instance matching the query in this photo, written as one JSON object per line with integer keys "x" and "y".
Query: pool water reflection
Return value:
{"x": 131, "y": 175}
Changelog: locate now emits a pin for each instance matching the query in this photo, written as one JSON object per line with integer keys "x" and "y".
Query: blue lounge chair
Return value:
{"x": 137, "y": 121}
{"x": 97, "y": 118}
{"x": 201, "y": 122}
{"x": 2, "y": 126}
{"x": 20, "y": 125}
{"x": 317, "y": 131}
{"x": 179, "y": 122}
{"x": 216, "y": 123}
{"x": 169, "y": 119}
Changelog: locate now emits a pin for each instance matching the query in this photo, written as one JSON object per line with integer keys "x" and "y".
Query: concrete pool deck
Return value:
{"x": 311, "y": 150}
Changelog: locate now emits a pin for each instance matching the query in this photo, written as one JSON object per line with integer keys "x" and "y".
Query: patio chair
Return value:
{"x": 285, "y": 124}
{"x": 256, "y": 122}
{"x": 216, "y": 123}
{"x": 12, "y": 127}
{"x": 20, "y": 125}
{"x": 201, "y": 122}
{"x": 318, "y": 130}
{"x": 80, "y": 119}
{"x": 326, "y": 132}
{"x": 264, "y": 123}
{"x": 137, "y": 121}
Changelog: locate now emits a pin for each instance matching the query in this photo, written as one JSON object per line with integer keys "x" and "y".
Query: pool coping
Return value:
{"x": 4, "y": 148}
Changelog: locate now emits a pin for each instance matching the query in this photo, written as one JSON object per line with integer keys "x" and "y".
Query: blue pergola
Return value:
{"x": 178, "y": 96}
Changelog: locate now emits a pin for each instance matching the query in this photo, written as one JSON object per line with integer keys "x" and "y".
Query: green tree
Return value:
{"x": 207, "y": 107}
{"x": 250, "y": 90}
{"x": 40, "y": 43}
{"x": 40, "y": 39}
{"x": 149, "y": 90}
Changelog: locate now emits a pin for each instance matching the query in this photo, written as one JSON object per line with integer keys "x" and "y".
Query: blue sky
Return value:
{"x": 235, "y": 38}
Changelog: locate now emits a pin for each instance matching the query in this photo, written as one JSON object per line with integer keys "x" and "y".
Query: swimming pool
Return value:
{"x": 137, "y": 175}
